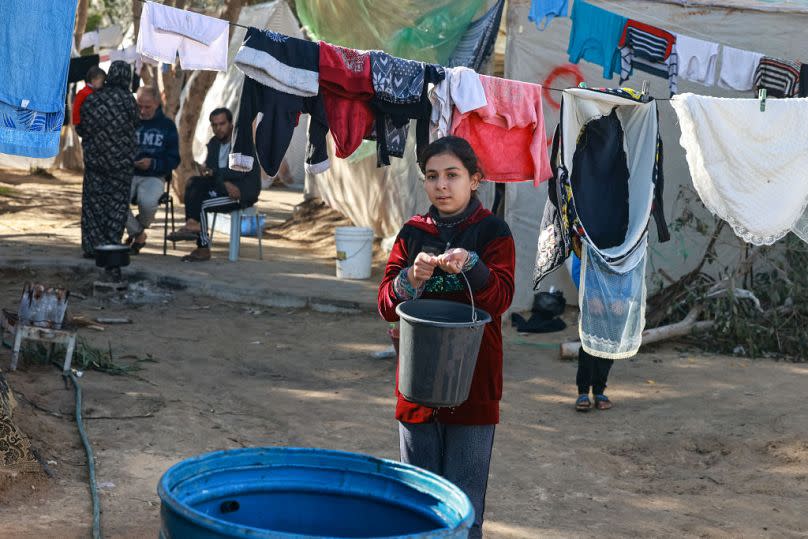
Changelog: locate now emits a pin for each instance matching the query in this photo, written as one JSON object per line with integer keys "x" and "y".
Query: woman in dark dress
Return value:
{"x": 109, "y": 118}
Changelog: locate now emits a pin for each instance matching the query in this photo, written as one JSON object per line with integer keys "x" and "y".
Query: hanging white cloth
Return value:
{"x": 201, "y": 41}
{"x": 460, "y": 88}
{"x": 697, "y": 59}
{"x": 106, "y": 38}
{"x": 738, "y": 68}
{"x": 749, "y": 167}
{"x": 612, "y": 305}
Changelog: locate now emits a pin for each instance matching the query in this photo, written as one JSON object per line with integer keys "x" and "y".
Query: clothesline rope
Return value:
{"x": 228, "y": 22}
{"x": 548, "y": 87}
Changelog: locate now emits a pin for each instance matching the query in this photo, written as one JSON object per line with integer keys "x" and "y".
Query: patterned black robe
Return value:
{"x": 109, "y": 118}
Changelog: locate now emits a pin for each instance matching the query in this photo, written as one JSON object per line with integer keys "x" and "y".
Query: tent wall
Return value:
{"x": 532, "y": 56}
{"x": 226, "y": 89}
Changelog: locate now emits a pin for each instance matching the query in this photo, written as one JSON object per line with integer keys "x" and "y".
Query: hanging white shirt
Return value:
{"x": 460, "y": 88}
{"x": 750, "y": 168}
{"x": 200, "y": 41}
{"x": 738, "y": 69}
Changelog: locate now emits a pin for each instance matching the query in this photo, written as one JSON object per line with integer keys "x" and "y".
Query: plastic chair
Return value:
{"x": 168, "y": 201}
{"x": 235, "y": 231}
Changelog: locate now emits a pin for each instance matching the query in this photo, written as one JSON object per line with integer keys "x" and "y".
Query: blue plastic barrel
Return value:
{"x": 277, "y": 492}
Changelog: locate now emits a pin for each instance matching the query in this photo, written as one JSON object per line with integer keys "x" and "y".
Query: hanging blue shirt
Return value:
{"x": 544, "y": 11}
{"x": 35, "y": 45}
{"x": 595, "y": 37}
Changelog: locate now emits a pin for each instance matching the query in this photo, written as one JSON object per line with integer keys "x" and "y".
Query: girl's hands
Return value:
{"x": 453, "y": 260}
{"x": 422, "y": 269}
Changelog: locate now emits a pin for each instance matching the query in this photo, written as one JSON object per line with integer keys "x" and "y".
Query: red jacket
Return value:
{"x": 80, "y": 97}
{"x": 490, "y": 238}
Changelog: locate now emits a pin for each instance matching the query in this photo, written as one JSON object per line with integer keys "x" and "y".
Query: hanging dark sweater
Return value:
{"x": 401, "y": 95}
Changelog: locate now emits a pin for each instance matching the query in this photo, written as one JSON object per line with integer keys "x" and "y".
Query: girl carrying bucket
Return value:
{"x": 456, "y": 234}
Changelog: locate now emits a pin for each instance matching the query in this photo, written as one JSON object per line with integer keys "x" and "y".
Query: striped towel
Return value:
{"x": 648, "y": 49}
{"x": 780, "y": 78}
{"x": 477, "y": 43}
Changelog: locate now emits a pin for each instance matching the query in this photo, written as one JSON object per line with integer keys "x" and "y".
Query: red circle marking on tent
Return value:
{"x": 566, "y": 70}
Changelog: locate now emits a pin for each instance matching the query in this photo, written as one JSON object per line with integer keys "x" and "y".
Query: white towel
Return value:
{"x": 697, "y": 59}
{"x": 201, "y": 41}
{"x": 89, "y": 39}
{"x": 462, "y": 89}
{"x": 750, "y": 168}
{"x": 738, "y": 69}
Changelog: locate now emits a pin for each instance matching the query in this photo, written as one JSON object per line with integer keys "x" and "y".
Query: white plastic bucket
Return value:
{"x": 354, "y": 252}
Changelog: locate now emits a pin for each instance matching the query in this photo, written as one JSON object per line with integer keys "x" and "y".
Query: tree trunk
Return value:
{"x": 70, "y": 156}
{"x": 81, "y": 21}
{"x": 199, "y": 84}
{"x": 174, "y": 80}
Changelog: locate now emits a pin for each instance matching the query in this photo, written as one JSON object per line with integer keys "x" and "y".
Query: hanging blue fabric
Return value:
{"x": 35, "y": 45}
{"x": 595, "y": 37}
{"x": 544, "y": 11}
{"x": 477, "y": 43}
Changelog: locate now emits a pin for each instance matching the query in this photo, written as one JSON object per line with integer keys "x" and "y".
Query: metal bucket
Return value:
{"x": 438, "y": 349}
{"x": 278, "y": 492}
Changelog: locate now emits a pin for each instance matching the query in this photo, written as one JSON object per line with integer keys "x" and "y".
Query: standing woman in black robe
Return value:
{"x": 109, "y": 118}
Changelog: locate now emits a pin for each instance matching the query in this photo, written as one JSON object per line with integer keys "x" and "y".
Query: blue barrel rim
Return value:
{"x": 167, "y": 497}
{"x": 483, "y": 317}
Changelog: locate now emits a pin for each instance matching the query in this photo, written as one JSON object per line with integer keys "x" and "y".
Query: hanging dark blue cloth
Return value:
{"x": 477, "y": 43}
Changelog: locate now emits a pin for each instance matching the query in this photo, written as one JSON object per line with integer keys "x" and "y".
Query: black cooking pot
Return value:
{"x": 112, "y": 256}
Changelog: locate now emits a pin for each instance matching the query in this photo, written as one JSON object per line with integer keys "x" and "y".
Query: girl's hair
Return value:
{"x": 459, "y": 147}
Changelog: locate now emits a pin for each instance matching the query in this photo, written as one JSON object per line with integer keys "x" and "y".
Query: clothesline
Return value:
{"x": 547, "y": 87}
{"x": 228, "y": 22}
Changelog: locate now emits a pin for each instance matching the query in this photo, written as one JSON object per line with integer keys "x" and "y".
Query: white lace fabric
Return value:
{"x": 750, "y": 168}
{"x": 612, "y": 306}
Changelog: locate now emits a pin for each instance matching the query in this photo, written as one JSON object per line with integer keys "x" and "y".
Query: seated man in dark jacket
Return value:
{"x": 218, "y": 189}
{"x": 158, "y": 153}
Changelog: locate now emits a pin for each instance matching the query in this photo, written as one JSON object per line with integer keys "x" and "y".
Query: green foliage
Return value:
{"x": 85, "y": 357}
{"x": 776, "y": 276}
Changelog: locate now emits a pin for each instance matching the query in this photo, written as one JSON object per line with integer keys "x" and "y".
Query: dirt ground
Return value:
{"x": 696, "y": 445}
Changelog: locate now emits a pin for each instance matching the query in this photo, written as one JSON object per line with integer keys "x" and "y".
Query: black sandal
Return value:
{"x": 183, "y": 234}
{"x": 136, "y": 247}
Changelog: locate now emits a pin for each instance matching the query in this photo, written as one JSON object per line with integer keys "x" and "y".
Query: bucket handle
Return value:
{"x": 357, "y": 251}
{"x": 471, "y": 297}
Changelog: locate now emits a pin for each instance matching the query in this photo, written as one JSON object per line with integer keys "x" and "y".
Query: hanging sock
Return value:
{"x": 595, "y": 36}
{"x": 780, "y": 78}
{"x": 200, "y": 41}
{"x": 544, "y": 11}
{"x": 742, "y": 167}
{"x": 738, "y": 69}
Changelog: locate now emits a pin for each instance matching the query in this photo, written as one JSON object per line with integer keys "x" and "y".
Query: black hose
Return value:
{"x": 90, "y": 461}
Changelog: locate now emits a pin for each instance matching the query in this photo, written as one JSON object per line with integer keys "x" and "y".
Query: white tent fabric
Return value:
{"x": 535, "y": 56}
{"x": 226, "y": 89}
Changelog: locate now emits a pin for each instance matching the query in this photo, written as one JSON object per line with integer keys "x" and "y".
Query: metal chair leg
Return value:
{"x": 212, "y": 228}
{"x": 165, "y": 229}
{"x": 259, "y": 233}
{"x": 173, "y": 229}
